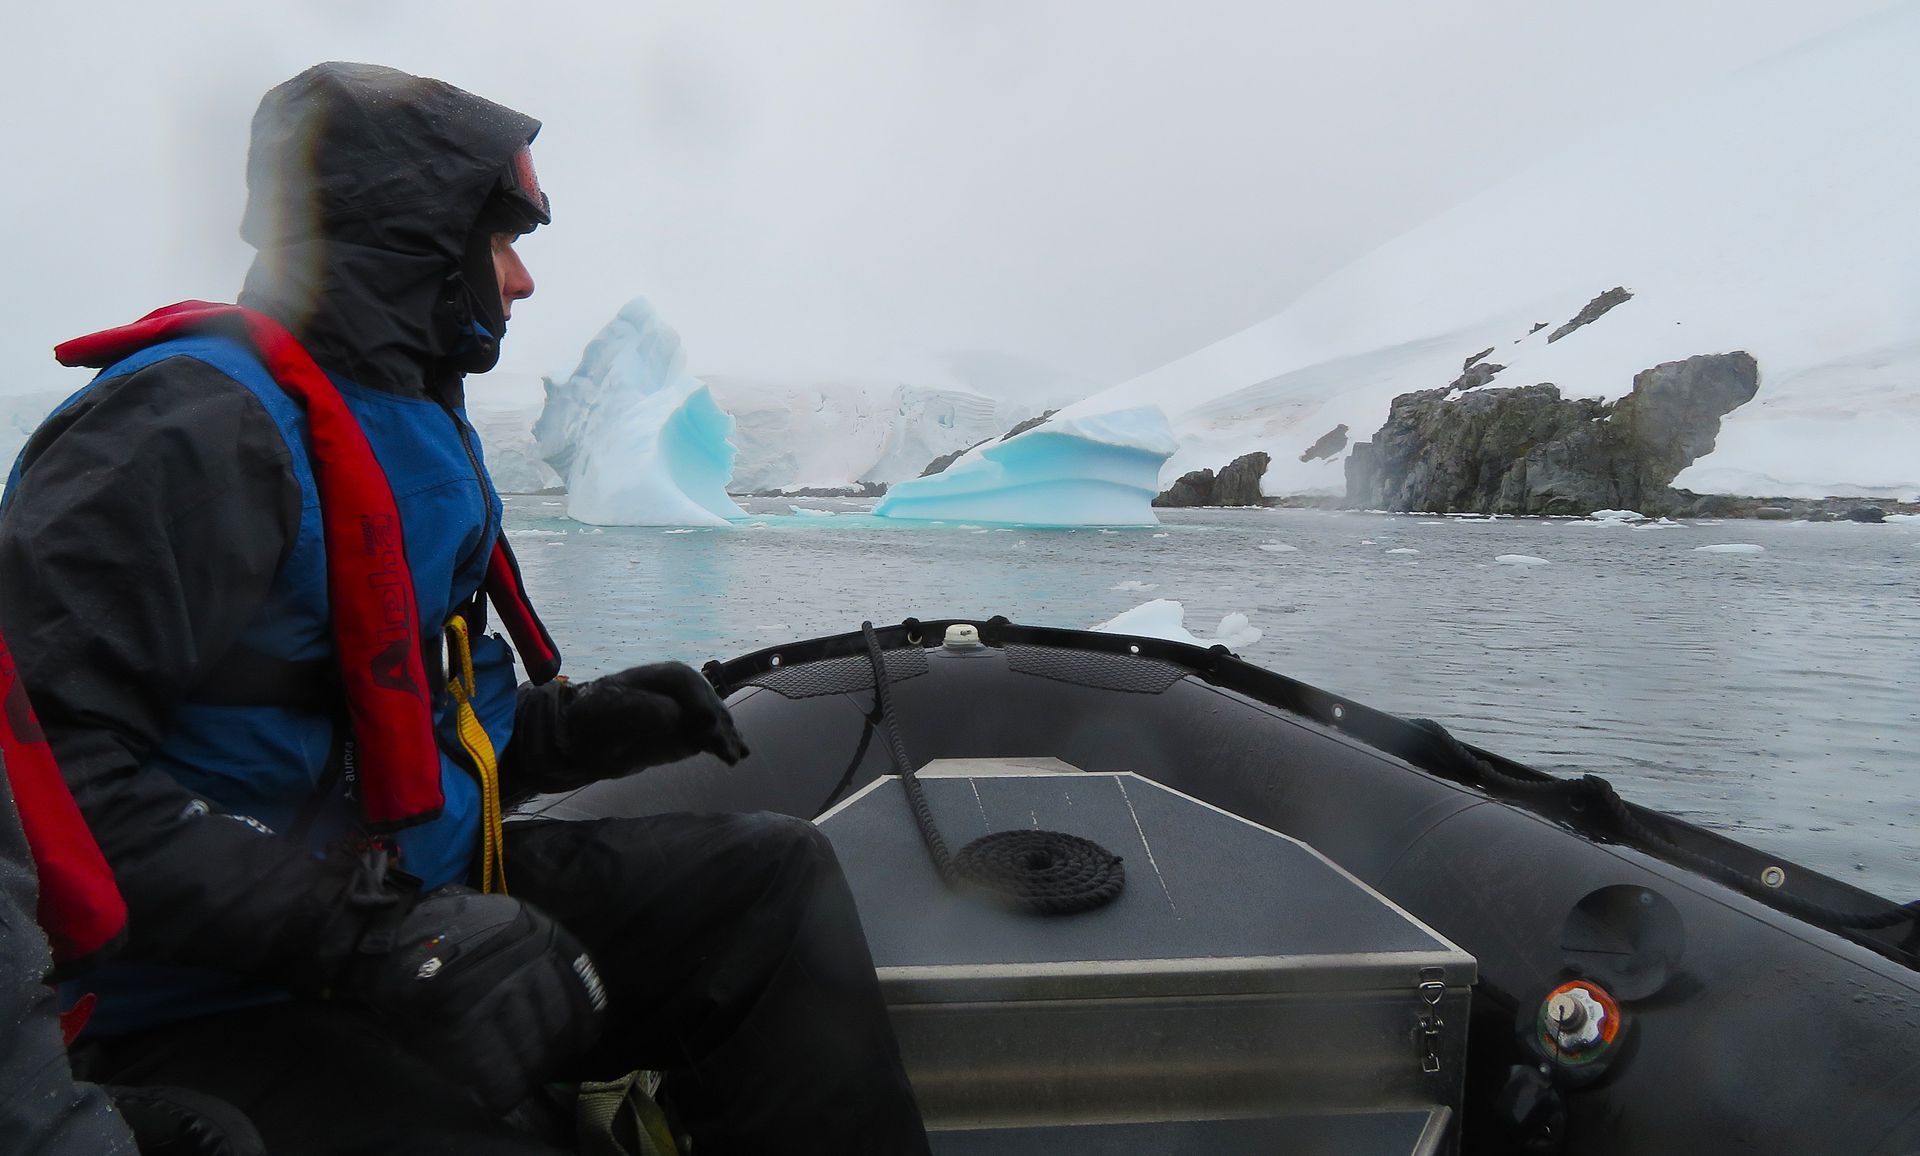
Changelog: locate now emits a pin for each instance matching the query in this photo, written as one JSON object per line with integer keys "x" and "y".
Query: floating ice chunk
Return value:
{"x": 1429, "y": 523}
{"x": 686, "y": 530}
{"x": 638, "y": 440}
{"x": 1521, "y": 560}
{"x": 1903, "y": 518}
{"x": 1166, "y": 618}
{"x": 1235, "y": 631}
{"x": 1366, "y": 541}
{"x": 1662, "y": 524}
{"x": 1160, "y": 535}
{"x": 803, "y": 512}
{"x": 1279, "y": 548}
{"x": 1098, "y": 470}
{"x": 1403, "y": 550}
{"x": 1617, "y": 516}
{"x": 1731, "y": 548}
{"x": 1133, "y": 587}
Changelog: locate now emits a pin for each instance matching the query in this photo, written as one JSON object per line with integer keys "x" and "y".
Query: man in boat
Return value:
{"x": 231, "y": 565}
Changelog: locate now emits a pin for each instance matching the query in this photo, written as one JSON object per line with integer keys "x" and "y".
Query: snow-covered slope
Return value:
{"x": 637, "y": 439}
{"x": 844, "y": 433}
{"x": 1777, "y": 214}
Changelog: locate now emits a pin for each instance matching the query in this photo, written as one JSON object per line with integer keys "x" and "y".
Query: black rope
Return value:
{"x": 1048, "y": 872}
{"x": 1596, "y": 791}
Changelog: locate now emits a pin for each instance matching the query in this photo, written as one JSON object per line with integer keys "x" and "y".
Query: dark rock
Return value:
{"x": 1527, "y": 450}
{"x": 1821, "y": 516}
{"x": 1330, "y": 443}
{"x": 1028, "y": 424}
{"x": 1192, "y": 489}
{"x": 1238, "y": 484}
{"x": 1592, "y": 311}
{"x": 1476, "y": 376}
{"x": 1363, "y": 476}
{"x": 857, "y": 490}
{"x": 1537, "y": 327}
{"x": 1773, "y": 513}
{"x": 1478, "y": 357}
{"x": 1872, "y": 515}
{"x": 944, "y": 460}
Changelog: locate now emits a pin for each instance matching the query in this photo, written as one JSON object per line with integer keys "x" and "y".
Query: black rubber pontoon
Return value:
{"x": 1743, "y": 1024}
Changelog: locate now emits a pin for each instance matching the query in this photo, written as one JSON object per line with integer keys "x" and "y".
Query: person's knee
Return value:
{"x": 795, "y": 844}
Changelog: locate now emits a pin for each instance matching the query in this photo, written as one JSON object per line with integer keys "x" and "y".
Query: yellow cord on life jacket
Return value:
{"x": 473, "y": 736}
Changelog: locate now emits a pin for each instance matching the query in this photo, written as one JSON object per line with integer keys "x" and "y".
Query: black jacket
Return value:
{"x": 147, "y": 521}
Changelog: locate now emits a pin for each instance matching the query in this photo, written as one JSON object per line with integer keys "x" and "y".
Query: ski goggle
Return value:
{"x": 518, "y": 203}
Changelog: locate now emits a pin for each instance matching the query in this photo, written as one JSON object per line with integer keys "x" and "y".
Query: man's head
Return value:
{"x": 384, "y": 207}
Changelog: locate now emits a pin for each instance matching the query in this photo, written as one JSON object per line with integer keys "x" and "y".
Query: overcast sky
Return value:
{"x": 1021, "y": 194}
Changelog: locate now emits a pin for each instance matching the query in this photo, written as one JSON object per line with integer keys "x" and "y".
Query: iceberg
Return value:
{"x": 638, "y": 441}
{"x": 1097, "y": 470}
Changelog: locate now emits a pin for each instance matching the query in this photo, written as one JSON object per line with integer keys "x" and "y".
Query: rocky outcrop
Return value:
{"x": 944, "y": 460}
{"x": 858, "y": 490}
{"x": 1591, "y": 311}
{"x": 1527, "y": 450}
{"x": 1330, "y": 443}
{"x": 939, "y": 464}
{"x": 1238, "y": 484}
{"x": 1476, "y": 375}
{"x": 1028, "y": 424}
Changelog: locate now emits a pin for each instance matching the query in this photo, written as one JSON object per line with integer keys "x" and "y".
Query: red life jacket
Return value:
{"x": 80, "y": 908}
{"x": 376, "y": 622}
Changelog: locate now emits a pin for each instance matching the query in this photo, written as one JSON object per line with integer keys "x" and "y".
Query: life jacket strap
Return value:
{"x": 479, "y": 748}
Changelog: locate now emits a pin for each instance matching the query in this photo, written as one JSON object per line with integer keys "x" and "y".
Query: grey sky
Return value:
{"x": 1008, "y": 193}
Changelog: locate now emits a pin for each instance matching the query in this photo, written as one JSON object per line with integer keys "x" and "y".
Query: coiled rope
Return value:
{"x": 1594, "y": 790}
{"x": 1049, "y": 872}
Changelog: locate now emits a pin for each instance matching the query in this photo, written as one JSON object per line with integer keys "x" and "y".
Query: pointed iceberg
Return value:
{"x": 637, "y": 439}
{"x": 1098, "y": 470}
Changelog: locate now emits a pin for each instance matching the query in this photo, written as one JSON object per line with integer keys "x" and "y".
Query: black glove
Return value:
{"x": 487, "y": 988}
{"x": 568, "y": 734}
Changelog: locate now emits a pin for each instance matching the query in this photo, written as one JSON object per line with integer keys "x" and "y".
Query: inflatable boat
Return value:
{"x": 1129, "y": 895}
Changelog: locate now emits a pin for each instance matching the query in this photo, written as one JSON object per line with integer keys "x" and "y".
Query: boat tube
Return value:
{"x": 1638, "y": 984}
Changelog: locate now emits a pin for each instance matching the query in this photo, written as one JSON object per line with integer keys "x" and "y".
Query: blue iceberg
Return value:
{"x": 637, "y": 439}
{"x": 1098, "y": 470}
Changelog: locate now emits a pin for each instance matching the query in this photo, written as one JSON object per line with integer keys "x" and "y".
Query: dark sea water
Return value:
{"x": 1773, "y": 695}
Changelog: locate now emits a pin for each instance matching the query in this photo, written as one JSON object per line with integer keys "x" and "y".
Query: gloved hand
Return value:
{"x": 489, "y": 989}
{"x": 568, "y": 734}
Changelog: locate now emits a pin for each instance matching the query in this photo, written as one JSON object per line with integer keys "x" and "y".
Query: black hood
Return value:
{"x": 365, "y": 189}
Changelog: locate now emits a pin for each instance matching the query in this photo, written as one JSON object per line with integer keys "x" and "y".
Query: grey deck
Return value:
{"x": 1201, "y": 884}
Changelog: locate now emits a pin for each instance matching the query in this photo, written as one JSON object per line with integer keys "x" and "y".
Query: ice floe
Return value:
{"x": 1521, "y": 560}
{"x": 1166, "y": 618}
{"x": 1731, "y": 548}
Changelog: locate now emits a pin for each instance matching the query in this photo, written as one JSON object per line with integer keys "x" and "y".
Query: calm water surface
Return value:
{"x": 1775, "y": 695}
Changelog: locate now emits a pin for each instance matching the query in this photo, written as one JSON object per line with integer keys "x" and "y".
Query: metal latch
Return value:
{"x": 1432, "y": 987}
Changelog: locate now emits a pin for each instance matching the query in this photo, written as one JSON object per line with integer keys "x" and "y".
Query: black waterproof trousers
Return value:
{"x": 734, "y": 962}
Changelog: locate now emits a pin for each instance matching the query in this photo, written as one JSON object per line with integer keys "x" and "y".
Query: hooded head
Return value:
{"x": 372, "y": 197}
